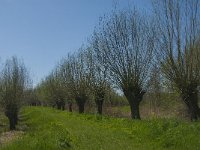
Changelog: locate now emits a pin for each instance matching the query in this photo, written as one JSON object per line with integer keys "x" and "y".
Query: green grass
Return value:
{"x": 51, "y": 129}
{"x": 3, "y": 123}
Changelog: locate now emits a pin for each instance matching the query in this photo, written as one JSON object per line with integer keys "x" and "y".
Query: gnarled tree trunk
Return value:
{"x": 12, "y": 114}
{"x": 60, "y": 104}
{"x": 70, "y": 106}
{"x": 12, "y": 119}
{"x": 81, "y": 104}
{"x": 135, "y": 113}
{"x": 191, "y": 101}
{"x": 134, "y": 100}
{"x": 16, "y": 118}
{"x": 12, "y": 123}
{"x": 99, "y": 99}
{"x": 99, "y": 104}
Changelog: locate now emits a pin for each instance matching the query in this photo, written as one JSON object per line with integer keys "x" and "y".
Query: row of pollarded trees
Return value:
{"x": 125, "y": 46}
{"x": 14, "y": 81}
{"x": 129, "y": 43}
{"x": 77, "y": 78}
{"x": 119, "y": 54}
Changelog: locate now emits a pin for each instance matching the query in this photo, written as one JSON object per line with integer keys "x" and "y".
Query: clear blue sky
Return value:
{"x": 41, "y": 32}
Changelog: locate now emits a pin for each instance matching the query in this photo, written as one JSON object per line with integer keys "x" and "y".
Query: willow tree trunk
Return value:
{"x": 12, "y": 120}
{"x": 81, "y": 108}
{"x": 134, "y": 99}
{"x": 70, "y": 106}
{"x": 58, "y": 105}
{"x": 135, "y": 113}
{"x": 12, "y": 123}
{"x": 12, "y": 114}
{"x": 16, "y": 118}
{"x": 99, "y": 99}
{"x": 99, "y": 104}
{"x": 191, "y": 101}
{"x": 81, "y": 104}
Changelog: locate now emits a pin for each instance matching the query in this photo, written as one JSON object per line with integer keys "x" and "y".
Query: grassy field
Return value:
{"x": 50, "y": 129}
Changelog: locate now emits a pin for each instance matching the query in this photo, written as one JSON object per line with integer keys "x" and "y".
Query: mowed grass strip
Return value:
{"x": 50, "y": 129}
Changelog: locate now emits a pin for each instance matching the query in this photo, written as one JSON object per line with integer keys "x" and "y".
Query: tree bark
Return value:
{"x": 99, "y": 99}
{"x": 194, "y": 111}
{"x": 191, "y": 101}
{"x": 16, "y": 118}
{"x": 135, "y": 113}
{"x": 58, "y": 106}
{"x": 81, "y": 104}
{"x": 12, "y": 123}
{"x": 81, "y": 108}
{"x": 70, "y": 106}
{"x": 12, "y": 115}
{"x": 134, "y": 100}
{"x": 12, "y": 120}
{"x": 99, "y": 104}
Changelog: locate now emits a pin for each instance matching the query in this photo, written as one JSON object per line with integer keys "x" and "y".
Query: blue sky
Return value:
{"x": 41, "y": 32}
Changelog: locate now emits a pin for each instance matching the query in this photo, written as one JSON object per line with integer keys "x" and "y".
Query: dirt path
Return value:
{"x": 6, "y": 137}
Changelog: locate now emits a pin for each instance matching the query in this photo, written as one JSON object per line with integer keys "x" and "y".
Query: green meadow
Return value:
{"x": 51, "y": 129}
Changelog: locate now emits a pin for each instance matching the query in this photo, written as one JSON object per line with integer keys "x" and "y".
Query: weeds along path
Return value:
{"x": 50, "y": 129}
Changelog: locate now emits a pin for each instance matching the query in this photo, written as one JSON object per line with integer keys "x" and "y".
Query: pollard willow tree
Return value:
{"x": 14, "y": 81}
{"x": 98, "y": 78}
{"x": 179, "y": 42}
{"x": 125, "y": 41}
{"x": 76, "y": 76}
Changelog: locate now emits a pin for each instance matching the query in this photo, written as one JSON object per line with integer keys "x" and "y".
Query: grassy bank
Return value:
{"x": 50, "y": 129}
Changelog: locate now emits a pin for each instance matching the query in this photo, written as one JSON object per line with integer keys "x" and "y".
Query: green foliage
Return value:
{"x": 53, "y": 129}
